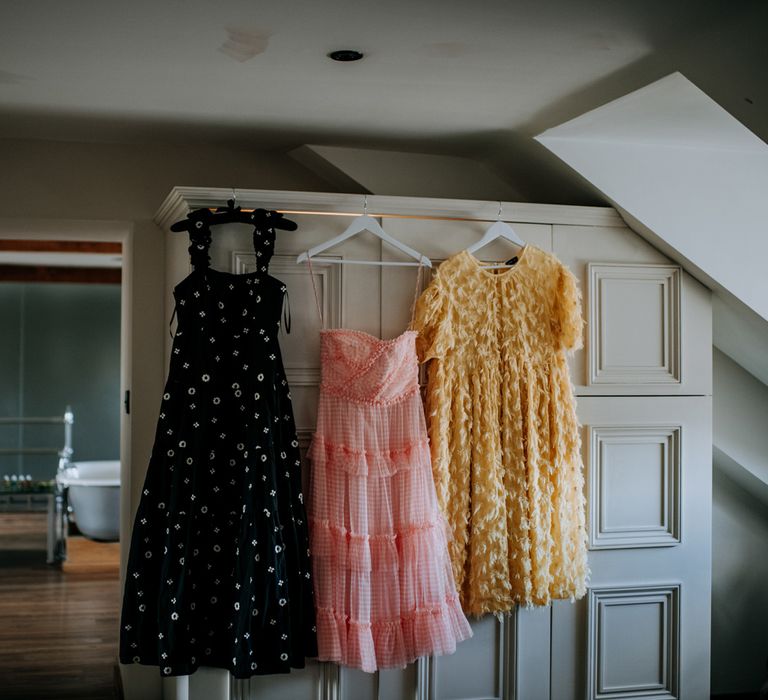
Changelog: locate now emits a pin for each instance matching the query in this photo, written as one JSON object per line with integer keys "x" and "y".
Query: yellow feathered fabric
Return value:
{"x": 503, "y": 430}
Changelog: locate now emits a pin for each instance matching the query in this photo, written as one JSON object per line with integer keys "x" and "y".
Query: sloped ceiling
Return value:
{"x": 691, "y": 177}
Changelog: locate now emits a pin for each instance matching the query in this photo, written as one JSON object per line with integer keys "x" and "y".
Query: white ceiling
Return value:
{"x": 443, "y": 76}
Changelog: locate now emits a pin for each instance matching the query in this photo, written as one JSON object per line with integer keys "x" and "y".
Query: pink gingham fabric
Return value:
{"x": 384, "y": 588}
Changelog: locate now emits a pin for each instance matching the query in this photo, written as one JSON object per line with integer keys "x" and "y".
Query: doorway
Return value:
{"x": 63, "y": 366}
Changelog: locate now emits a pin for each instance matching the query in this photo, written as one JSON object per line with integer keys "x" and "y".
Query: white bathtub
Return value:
{"x": 94, "y": 494}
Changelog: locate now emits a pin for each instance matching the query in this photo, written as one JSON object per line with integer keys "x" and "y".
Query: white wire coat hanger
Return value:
{"x": 498, "y": 229}
{"x": 358, "y": 225}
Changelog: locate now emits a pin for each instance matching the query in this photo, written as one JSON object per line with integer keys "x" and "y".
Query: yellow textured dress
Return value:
{"x": 503, "y": 429}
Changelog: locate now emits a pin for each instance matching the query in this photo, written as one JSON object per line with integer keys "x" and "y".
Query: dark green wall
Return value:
{"x": 10, "y": 379}
{"x": 59, "y": 346}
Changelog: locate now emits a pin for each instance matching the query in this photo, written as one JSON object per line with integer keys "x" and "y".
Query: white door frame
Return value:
{"x": 112, "y": 231}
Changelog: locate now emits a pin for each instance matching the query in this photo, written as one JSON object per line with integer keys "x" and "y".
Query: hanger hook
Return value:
{"x": 498, "y": 216}
{"x": 365, "y": 206}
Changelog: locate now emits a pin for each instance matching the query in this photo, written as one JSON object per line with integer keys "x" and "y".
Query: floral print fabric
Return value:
{"x": 218, "y": 572}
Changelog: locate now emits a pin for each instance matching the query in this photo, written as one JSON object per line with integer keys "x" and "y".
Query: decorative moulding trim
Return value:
{"x": 330, "y": 681}
{"x": 331, "y": 278}
{"x": 238, "y": 688}
{"x": 599, "y": 600}
{"x": 304, "y": 436}
{"x": 181, "y": 200}
{"x": 302, "y": 376}
{"x": 425, "y": 678}
{"x": 668, "y": 533}
{"x": 600, "y": 373}
{"x": 508, "y": 669}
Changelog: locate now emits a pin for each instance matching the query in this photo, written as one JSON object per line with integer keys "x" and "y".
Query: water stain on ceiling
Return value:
{"x": 245, "y": 44}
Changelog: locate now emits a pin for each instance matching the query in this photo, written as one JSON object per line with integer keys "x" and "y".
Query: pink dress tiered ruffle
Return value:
{"x": 384, "y": 588}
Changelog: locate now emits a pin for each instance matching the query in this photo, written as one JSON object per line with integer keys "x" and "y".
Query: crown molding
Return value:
{"x": 181, "y": 200}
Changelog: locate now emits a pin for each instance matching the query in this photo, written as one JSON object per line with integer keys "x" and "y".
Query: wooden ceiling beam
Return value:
{"x": 75, "y": 275}
{"x": 19, "y": 245}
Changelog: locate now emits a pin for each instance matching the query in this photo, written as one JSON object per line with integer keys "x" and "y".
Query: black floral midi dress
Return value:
{"x": 218, "y": 572}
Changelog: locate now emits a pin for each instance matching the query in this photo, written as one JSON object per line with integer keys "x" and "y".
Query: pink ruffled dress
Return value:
{"x": 384, "y": 587}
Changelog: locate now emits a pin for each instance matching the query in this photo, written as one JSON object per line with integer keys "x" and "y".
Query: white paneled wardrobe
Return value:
{"x": 643, "y": 385}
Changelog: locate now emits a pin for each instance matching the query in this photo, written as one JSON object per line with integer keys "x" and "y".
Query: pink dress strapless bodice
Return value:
{"x": 384, "y": 589}
{"x": 361, "y": 367}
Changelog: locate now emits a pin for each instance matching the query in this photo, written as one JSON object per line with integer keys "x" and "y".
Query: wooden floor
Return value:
{"x": 58, "y": 626}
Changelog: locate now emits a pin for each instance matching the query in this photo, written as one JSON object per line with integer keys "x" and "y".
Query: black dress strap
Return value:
{"x": 200, "y": 241}
{"x": 264, "y": 221}
{"x": 263, "y": 246}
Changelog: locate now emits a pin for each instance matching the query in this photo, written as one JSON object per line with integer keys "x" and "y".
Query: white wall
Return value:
{"x": 739, "y": 529}
{"x": 52, "y": 179}
{"x": 739, "y": 591}
{"x": 741, "y": 334}
{"x": 407, "y": 174}
{"x": 740, "y": 416}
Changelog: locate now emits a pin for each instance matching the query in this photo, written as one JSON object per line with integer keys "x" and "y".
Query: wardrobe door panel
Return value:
{"x": 355, "y": 684}
{"x": 480, "y": 669}
{"x": 304, "y": 399}
{"x": 649, "y": 326}
{"x": 204, "y": 683}
{"x": 391, "y": 684}
{"x": 533, "y": 654}
{"x": 633, "y": 322}
{"x": 645, "y": 663}
{"x": 634, "y": 473}
{"x": 296, "y": 684}
{"x": 648, "y": 477}
{"x": 396, "y": 684}
{"x": 568, "y": 675}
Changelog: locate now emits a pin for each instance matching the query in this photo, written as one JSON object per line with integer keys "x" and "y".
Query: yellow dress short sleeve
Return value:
{"x": 431, "y": 321}
{"x": 567, "y": 321}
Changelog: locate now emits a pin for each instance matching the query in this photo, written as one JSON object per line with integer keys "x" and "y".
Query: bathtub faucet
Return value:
{"x": 66, "y": 452}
